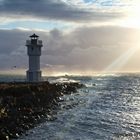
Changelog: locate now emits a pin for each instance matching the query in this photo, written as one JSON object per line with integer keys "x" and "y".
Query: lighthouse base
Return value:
{"x": 33, "y": 76}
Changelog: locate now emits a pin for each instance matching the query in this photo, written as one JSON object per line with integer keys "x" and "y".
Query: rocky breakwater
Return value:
{"x": 23, "y": 105}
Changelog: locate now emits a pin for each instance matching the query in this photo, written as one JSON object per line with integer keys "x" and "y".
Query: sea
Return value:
{"x": 107, "y": 108}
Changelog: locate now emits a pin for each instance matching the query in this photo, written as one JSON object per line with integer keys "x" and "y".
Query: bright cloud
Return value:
{"x": 65, "y": 10}
{"x": 93, "y": 12}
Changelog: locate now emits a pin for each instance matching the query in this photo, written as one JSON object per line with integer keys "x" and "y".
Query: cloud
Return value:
{"x": 56, "y": 10}
{"x": 82, "y": 49}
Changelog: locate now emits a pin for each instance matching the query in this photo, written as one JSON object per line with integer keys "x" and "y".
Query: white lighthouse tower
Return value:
{"x": 34, "y": 52}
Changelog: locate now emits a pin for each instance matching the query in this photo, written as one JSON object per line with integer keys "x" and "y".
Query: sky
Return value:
{"x": 79, "y": 36}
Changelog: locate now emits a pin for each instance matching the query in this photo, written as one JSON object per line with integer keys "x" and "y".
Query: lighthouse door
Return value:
{"x": 31, "y": 76}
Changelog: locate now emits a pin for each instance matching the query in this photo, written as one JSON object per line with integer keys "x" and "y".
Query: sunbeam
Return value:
{"x": 121, "y": 61}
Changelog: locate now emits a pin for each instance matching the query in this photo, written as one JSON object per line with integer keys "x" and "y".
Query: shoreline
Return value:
{"x": 24, "y": 105}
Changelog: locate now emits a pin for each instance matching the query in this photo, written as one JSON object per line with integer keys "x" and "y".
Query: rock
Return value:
{"x": 23, "y": 105}
{"x": 4, "y": 137}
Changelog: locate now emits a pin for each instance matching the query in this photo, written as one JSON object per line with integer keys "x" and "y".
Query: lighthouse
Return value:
{"x": 34, "y": 46}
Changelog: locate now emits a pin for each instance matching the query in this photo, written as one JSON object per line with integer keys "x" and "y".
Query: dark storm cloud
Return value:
{"x": 10, "y": 41}
{"x": 92, "y": 48}
{"x": 52, "y": 9}
{"x": 105, "y": 38}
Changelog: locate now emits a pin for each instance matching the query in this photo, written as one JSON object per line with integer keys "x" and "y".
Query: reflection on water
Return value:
{"x": 107, "y": 109}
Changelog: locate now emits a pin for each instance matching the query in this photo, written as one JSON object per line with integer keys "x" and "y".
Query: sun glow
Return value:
{"x": 132, "y": 15}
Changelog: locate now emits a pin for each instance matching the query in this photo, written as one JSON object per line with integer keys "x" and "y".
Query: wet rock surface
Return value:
{"x": 24, "y": 105}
